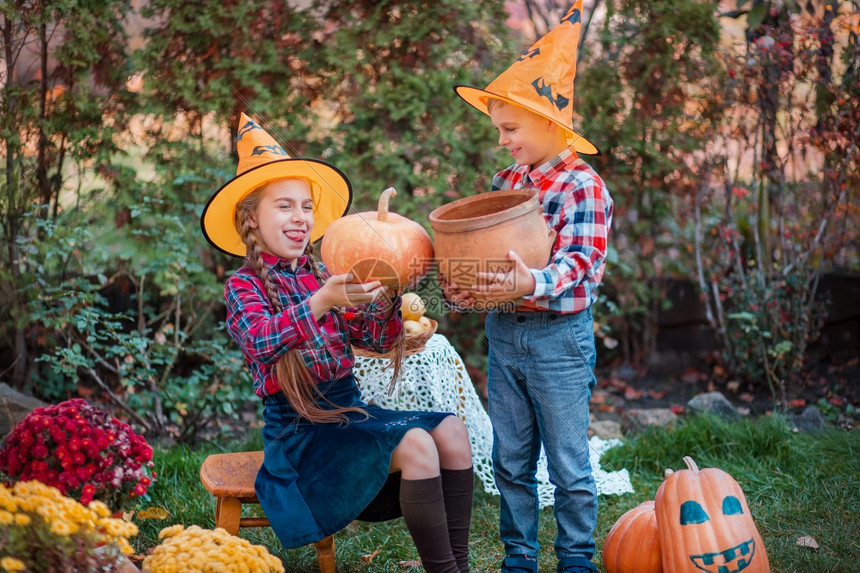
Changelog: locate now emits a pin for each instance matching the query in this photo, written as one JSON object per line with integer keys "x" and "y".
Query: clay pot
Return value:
{"x": 474, "y": 234}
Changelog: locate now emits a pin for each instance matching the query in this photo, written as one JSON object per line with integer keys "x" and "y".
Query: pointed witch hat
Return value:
{"x": 262, "y": 160}
{"x": 541, "y": 80}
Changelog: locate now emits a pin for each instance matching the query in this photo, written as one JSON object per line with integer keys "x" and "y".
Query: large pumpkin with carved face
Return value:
{"x": 704, "y": 524}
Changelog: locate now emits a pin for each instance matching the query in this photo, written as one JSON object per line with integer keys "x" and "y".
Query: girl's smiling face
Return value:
{"x": 284, "y": 218}
{"x": 531, "y": 139}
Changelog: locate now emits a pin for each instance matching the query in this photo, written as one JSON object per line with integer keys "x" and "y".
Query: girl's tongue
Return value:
{"x": 297, "y": 236}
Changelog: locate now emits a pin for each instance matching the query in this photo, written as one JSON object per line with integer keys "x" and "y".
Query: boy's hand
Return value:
{"x": 501, "y": 287}
{"x": 459, "y": 298}
{"x": 338, "y": 291}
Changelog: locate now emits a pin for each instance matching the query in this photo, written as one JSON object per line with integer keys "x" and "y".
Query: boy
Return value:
{"x": 543, "y": 353}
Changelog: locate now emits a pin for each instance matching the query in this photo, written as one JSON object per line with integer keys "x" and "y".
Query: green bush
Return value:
{"x": 146, "y": 336}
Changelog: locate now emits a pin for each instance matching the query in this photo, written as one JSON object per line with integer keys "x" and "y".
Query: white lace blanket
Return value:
{"x": 436, "y": 379}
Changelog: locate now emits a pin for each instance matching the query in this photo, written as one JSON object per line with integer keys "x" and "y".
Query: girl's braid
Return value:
{"x": 318, "y": 274}
{"x": 254, "y": 256}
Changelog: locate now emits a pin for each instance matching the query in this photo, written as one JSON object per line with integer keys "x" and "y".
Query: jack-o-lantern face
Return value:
{"x": 704, "y": 524}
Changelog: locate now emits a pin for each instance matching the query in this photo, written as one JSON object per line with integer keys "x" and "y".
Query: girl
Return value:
{"x": 329, "y": 457}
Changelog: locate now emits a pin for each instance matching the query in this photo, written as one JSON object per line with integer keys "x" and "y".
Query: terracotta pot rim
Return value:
{"x": 483, "y": 221}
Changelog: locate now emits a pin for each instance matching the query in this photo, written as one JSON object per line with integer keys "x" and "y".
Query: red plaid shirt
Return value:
{"x": 264, "y": 335}
{"x": 577, "y": 204}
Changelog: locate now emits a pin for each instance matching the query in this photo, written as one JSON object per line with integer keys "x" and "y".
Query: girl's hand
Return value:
{"x": 338, "y": 291}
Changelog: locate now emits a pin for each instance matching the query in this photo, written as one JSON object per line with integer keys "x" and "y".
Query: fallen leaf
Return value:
{"x": 676, "y": 409}
{"x": 733, "y": 386}
{"x": 369, "y": 558}
{"x": 631, "y": 393}
{"x": 598, "y": 398}
{"x": 85, "y": 392}
{"x": 746, "y": 397}
{"x": 605, "y": 408}
{"x": 807, "y": 541}
{"x": 617, "y": 384}
{"x": 657, "y": 395}
{"x": 798, "y": 403}
{"x": 690, "y": 375}
{"x": 152, "y": 513}
{"x": 410, "y": 564}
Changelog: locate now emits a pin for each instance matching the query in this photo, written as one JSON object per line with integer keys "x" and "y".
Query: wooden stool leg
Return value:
{"x": 325, "y": 554}
{"x": 218, "y": 510}
{"x": 228, "y": 513}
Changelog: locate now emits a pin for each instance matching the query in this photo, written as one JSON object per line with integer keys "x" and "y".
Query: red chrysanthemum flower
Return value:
{"x": 81, "y": 450}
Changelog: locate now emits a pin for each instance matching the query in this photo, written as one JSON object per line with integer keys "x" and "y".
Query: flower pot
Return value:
{"x": 474, "y": 234}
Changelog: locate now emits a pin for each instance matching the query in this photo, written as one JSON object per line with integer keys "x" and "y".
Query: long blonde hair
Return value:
{"x": 292, "y": 374}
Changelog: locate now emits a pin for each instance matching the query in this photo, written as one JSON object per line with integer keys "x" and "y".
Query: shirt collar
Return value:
{"x": 551, "y": 168}
{"x": 271, "y": 261}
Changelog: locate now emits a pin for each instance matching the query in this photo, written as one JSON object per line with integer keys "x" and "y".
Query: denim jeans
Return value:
{"x": 540, "y": 381}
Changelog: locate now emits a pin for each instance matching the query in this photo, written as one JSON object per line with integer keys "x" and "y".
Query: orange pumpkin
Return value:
{"x": 632, "y": 545}
{"x": 378, "y": 245}
{"x": 704, "y": 524}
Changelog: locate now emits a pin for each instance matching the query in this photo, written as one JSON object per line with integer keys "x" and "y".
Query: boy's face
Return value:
{"x": 284, "y": 218}
{"x": 531, "y": 139}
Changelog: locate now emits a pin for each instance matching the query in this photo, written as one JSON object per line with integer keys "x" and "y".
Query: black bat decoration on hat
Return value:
{"x": 573, "y": 18}
{"x": 529, "y": 54}
{"x": 545, "y": 90}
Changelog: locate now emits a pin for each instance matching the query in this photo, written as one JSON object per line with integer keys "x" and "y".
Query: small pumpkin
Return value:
{"x": 633, "y": 545}
{"x": 378, "y": 245}
{"x": 412, "y": 306}
{"x": 704, "y": 523}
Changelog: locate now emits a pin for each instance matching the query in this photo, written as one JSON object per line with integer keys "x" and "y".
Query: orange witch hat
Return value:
{"x": 261, "y": 160}
{"x": 541, "y": 80}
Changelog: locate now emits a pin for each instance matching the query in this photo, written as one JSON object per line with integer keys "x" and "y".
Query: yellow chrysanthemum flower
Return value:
{"x": 63, "y": 528}
{"x": 11, "y": 564}
{"x": 125, "y": 546}
{"x": 170, "y": 531}
{"x": 100, "y": 508}
{"x": 7, "y": 501}
{"x": 212, "y": 551}
{"x": 38, "y": 505}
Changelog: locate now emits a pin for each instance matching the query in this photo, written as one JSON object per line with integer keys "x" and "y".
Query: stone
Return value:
{"x": 714, "y": 403}
{"x": 810, "y": 420}
{"x": 14, "y": 406}
{"x": 605, "y": 429}
{"x": 636, "y": 419}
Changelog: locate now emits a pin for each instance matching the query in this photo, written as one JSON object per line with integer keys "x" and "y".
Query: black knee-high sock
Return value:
{"x": 423, "y": 509}
{"x": 458, "y": 487}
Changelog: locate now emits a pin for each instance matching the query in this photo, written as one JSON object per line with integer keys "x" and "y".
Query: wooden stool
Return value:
{"x": 230, "y": 478}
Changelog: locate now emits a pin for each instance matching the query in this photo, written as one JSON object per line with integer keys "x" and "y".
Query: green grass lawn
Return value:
{"x": 796, "y": 485}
